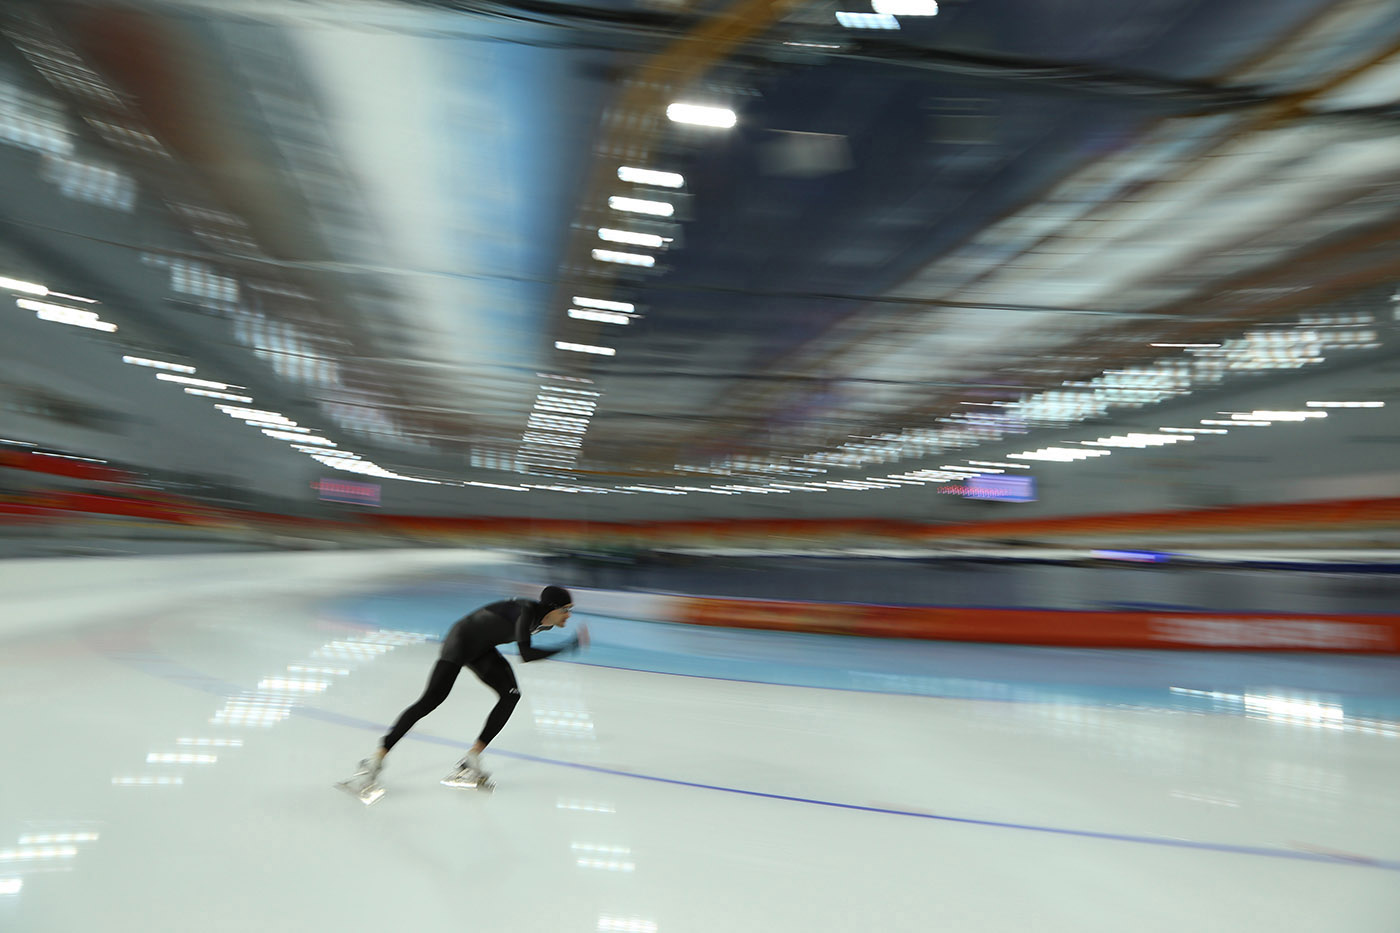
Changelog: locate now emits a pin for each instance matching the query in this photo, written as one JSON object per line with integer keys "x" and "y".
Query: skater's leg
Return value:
{"x": 440, "y": 683}
{"x": 494, "y": 671}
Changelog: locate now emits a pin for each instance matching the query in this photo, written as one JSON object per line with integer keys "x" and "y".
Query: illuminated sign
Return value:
{"x": 1017, "y": 488}
{"x": 340, "y": 490}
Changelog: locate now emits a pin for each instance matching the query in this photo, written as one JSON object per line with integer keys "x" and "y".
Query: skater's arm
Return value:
{"x": 528, "y": 652}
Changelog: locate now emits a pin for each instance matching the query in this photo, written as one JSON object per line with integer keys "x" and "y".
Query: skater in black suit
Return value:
{"x": 471, "y": 643}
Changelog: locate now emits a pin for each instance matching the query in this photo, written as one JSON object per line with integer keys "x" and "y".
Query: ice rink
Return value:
{"x": 172, "y": 729}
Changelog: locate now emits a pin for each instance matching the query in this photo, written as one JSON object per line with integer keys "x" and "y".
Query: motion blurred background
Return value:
{"x": 645, "y": 275}
{"x": 1066, "y": 325}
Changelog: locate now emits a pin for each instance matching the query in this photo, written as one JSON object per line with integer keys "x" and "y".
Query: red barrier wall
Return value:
{"x": 1067, "y": 628}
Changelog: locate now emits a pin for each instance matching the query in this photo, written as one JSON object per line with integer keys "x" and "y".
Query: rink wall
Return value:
{"x": 1368, "y": 633}
{"x": 43, "y": 593}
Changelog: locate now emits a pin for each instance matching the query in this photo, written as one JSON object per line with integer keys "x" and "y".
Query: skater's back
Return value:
{"x": 496, "y": 624}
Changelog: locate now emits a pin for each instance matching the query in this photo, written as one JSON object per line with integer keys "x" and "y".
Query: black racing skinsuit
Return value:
{"x": 471, "y": 642}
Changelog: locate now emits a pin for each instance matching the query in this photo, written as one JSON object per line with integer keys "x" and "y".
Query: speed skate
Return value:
{"x": 363, "y": 784}
{"x": 468, "y": 777}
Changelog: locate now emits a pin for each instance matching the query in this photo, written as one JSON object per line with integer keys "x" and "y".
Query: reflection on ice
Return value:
{"x": 608, "y": 924}
{"x": 1294, "y": 710}
{"x": 585, "y": 806}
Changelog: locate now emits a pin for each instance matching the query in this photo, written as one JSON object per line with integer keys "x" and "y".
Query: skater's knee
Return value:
{"x": 511, "y": 696}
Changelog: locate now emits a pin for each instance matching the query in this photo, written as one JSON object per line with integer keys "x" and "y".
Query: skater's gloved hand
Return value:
{"x": 581, "y": 639}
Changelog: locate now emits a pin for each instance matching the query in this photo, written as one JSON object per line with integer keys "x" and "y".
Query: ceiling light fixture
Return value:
{"x": 202, "y": 383}
{"x": 583, "y": 348}
{"x": 639, "y": 206}
{"x": 58, "y": 314}
{"x": 649, "y": 240}
{"x": 29, "y": 288}
{"x": 226, "y": 396}
{"x": 646, "y": 176}
{"x": 1346, "y": 404}
{"x": 602, "y": 317}
{"x": 867, "y": 20}
{"x": 623, "y": 306}
{"x": 700, "y": 115}
{"x": 158, "y": 364}
{"x": 905, "y": 7}
{"x": 626, "y": 259}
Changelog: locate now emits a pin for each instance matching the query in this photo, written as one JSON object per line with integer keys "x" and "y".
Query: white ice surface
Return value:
{"x": 626, "y": 800}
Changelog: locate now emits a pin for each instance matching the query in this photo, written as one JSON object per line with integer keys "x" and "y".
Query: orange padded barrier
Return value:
{"x": 1070, "y": 628}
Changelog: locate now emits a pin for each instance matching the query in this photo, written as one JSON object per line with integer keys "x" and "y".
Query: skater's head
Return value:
{"x": 557, "y": 603}
{"x": 552, "y": 597}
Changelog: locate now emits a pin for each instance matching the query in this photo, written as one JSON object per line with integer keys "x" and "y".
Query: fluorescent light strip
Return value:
{"x": 700, "y": 115}
{"x": 623, "y": 306}
{"x": 29, "y": 288}
{"x": 254, "y": 414}
{"x": 584, "y": 348}
{"x": 1346, "y": 404}
{"x": 277, "y": 425}
{"x": 556, "y": 426}
{"x": 579, "y": 424}
{"x": 639, "y": 206}
{"x": 1271, "y": 415}
{"x": 625, "y": 259}
{"x": 299, "y": 438}
{"x": 650, "y": 240}
{"x": 646, "y": 176}
{"x": 223, "y": 395}
{"x": 158, "y": 364}
{"x": 579, "y": 408}
{"x": 867, "y": 20}
{"x": 202, "y": 383}
{"x": 327, "y": 454}
{"x": 583, "y": 379}
{"x": 548, "y": 394}
{"x": 559, "y": 419}
{"x": 88, "y": 301}
{"x": 905, "y": 7}
{"x": 569, "y": 416}
{"x": 570, "y": 391}
{"x": 602, "y": 317}
{"x": 74, "y": 317}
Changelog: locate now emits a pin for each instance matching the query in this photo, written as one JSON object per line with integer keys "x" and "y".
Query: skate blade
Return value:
{"x": 468, "y": 783}
{"x": 367, "y": 795}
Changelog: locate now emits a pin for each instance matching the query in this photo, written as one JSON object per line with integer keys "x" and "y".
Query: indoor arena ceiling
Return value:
{"x": 393, "y": 223}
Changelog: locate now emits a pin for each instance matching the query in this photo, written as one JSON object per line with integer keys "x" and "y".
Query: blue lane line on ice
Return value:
{"x": 154, "y": 664}
{"x": 1261, "y": 851}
